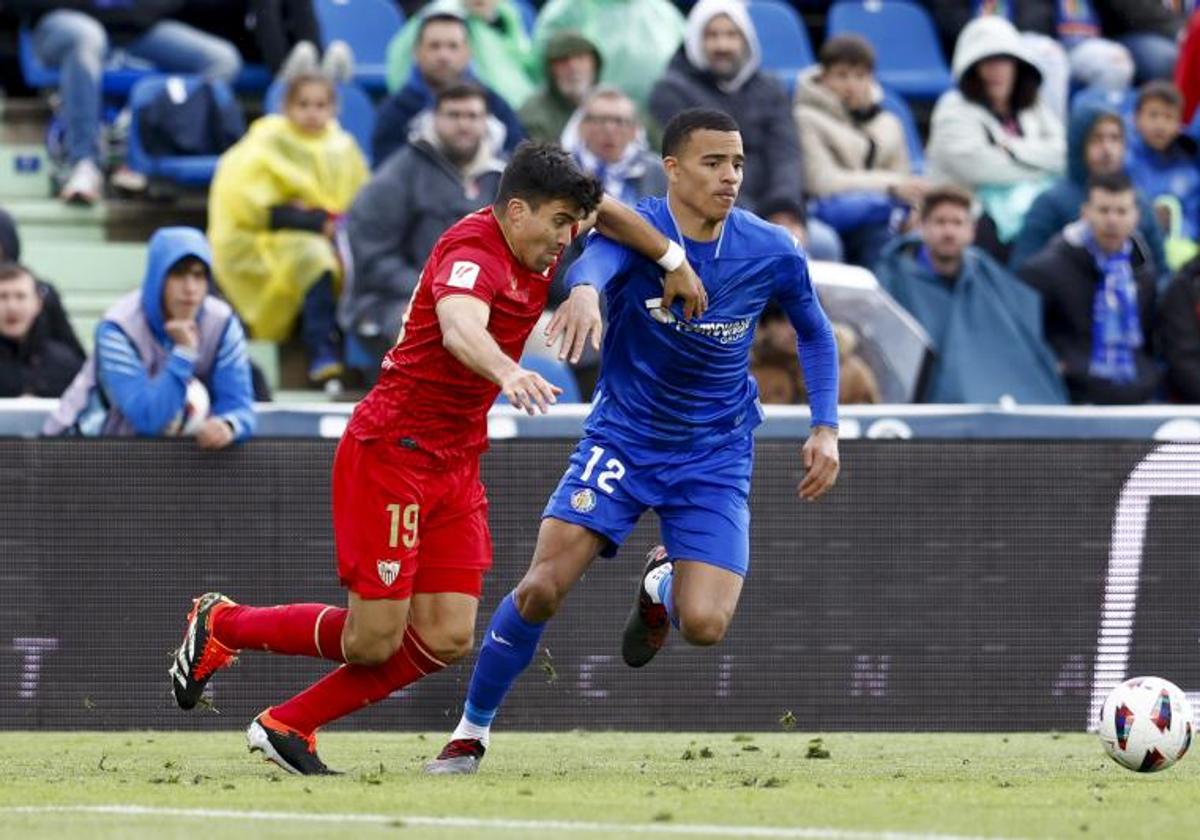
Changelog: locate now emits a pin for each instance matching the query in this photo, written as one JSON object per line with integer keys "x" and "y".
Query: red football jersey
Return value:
{"x": 425, "y": 394}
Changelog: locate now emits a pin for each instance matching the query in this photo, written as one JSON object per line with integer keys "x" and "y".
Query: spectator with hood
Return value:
{"x": 150, "y": 345}
{"x": 572, "y": 67}
{"x": 986, "y": 326}
{"x": 636, "y": 37}
{"x": 1096, "y": 145}
{"x": 719, "y": 66}
{"x": 501, "y": 55}
{"x": 274, "y": 214}
{"x": 992, "y": 133}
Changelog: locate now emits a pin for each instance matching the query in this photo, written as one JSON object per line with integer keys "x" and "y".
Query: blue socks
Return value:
{"x": 508, "y": 647}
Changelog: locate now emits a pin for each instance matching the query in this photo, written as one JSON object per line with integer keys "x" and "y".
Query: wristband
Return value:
{"x": 673, "y": 258}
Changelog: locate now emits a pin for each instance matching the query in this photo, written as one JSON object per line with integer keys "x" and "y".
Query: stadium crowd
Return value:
{"x": 1043, "y": 230}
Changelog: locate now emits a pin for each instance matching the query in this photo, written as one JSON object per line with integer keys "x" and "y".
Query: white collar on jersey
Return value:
{"x": 679, "y": 232}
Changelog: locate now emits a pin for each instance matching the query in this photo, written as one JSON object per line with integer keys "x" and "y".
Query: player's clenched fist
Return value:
{"x": 527, "y": 390}
{"x": 683, "y": 285}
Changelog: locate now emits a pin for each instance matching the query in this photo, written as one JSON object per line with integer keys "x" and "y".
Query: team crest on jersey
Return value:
{"x": 463, "y": 274}
{"x": 583, "y": 501}
{"x": 389, "y": 570}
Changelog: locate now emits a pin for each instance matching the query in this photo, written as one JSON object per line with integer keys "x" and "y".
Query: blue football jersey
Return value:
{"x": 670, "y": 383}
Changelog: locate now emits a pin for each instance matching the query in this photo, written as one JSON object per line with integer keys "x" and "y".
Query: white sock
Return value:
{"x": 654, "y": 580}
{"x": 474, "y": 731}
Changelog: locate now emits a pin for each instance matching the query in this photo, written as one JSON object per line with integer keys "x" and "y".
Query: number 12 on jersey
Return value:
{"x": 613, "y": 470}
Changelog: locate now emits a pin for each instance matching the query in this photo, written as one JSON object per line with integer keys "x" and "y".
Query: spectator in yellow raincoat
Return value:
{"x": 274, "y": 216}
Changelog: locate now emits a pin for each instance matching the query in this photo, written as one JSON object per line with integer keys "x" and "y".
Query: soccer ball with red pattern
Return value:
{"x": 1146, "y": 724}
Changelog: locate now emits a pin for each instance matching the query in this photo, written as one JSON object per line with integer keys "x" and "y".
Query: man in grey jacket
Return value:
{"x": 718, "y": 67}
{"x": 447, "y": 170}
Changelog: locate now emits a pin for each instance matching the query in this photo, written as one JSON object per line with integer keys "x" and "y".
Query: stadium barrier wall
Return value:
{"x": 944, "y": 585}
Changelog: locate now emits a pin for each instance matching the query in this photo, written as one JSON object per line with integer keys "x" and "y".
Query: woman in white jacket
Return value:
{"x": 992, "y": 133}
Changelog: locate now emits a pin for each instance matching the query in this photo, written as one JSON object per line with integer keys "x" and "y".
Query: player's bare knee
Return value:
{"x": 538, "y": 596}
{"x": 449, "y": 644}
{"x": 373, "y": 650}
{"x": 703, "y": 629}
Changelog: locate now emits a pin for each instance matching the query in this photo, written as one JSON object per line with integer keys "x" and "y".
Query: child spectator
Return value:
{"x": 152, "y": 343}
{"x": 1164, "y": 164}
{"x": 274, "y": 212}
{"x": 855, "y": 157}
{"x": 33, "y": 362}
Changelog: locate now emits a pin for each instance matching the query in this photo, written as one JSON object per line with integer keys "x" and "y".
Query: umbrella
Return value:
{"x": 892, "y": 343}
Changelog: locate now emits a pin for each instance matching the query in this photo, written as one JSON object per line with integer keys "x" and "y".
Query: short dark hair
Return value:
{"x": 945, "y": 194}
{"x": 691, "y": 120}
{"x": 438, "y": 17}
{"x": 460, "y": 90}
{"x": 1159, "y": 90}
{"x": 13, "y": 270}
{"x": 1025, "y": 88}
{"x": 847, "y": 49}
{"x": 541, "y": 172}
{"x": 1112, "y": 182}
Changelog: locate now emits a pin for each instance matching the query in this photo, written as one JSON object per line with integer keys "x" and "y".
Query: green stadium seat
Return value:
{"x": 265, "y": 354}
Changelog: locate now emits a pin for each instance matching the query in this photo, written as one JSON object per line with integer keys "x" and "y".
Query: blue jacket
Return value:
{"x": 1058, "y": 206}
{"x": 150, "y": 402}
{"x": 986, "y": 328}
{"x": 396, "y": 113}
{"x": 1173, "y": 174}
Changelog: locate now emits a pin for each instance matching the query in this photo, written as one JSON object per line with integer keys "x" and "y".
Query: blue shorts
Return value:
{"x": 701, "y": 497}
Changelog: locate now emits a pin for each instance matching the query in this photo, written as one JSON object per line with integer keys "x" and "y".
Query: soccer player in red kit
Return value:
{"x": 409, "y": 510}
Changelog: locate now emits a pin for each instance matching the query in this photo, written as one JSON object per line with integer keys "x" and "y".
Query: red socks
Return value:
{"x": 351, "y": 687}
{"x": 296, "y": 629}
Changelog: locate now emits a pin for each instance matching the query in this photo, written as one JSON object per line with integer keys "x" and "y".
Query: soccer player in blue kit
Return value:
{"x": 671, "y": 427}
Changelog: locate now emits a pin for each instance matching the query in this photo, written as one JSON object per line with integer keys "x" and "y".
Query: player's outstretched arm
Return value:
{"x": 626, "y": 226}
{"x": 463, "y": 320}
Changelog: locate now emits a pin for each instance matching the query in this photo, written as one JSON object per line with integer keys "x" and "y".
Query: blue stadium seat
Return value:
{"x": 117, "y": 82}
{"x": 556, "y": 373}
{"x": 356, "y": 112}
{"x": 192, "y": 170}
{"x": 367, "y": 26}
{"x": 912, "y": 137}
{"x": 781, "y": 34}
{"x": 909, "y": 57}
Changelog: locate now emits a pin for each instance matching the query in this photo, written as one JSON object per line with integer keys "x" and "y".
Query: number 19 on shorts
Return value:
{"x": 407, "y": 516}
{"x": 613, "y": 470}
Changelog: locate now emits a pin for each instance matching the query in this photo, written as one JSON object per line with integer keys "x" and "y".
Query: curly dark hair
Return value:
{"x": 541, "y": 172}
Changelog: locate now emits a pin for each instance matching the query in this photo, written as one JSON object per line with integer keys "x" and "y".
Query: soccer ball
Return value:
{"x": 1146, "y": 724}
{"x": 193, "y": 414}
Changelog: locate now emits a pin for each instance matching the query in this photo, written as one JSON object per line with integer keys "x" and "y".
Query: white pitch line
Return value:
{"x": 487, "y": 823}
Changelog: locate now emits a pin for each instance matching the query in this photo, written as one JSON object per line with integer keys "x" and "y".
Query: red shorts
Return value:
{"x": 404, "y": 523}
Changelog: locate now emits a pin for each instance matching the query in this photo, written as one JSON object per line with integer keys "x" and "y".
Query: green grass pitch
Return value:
{"x": 783, "y": 784}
